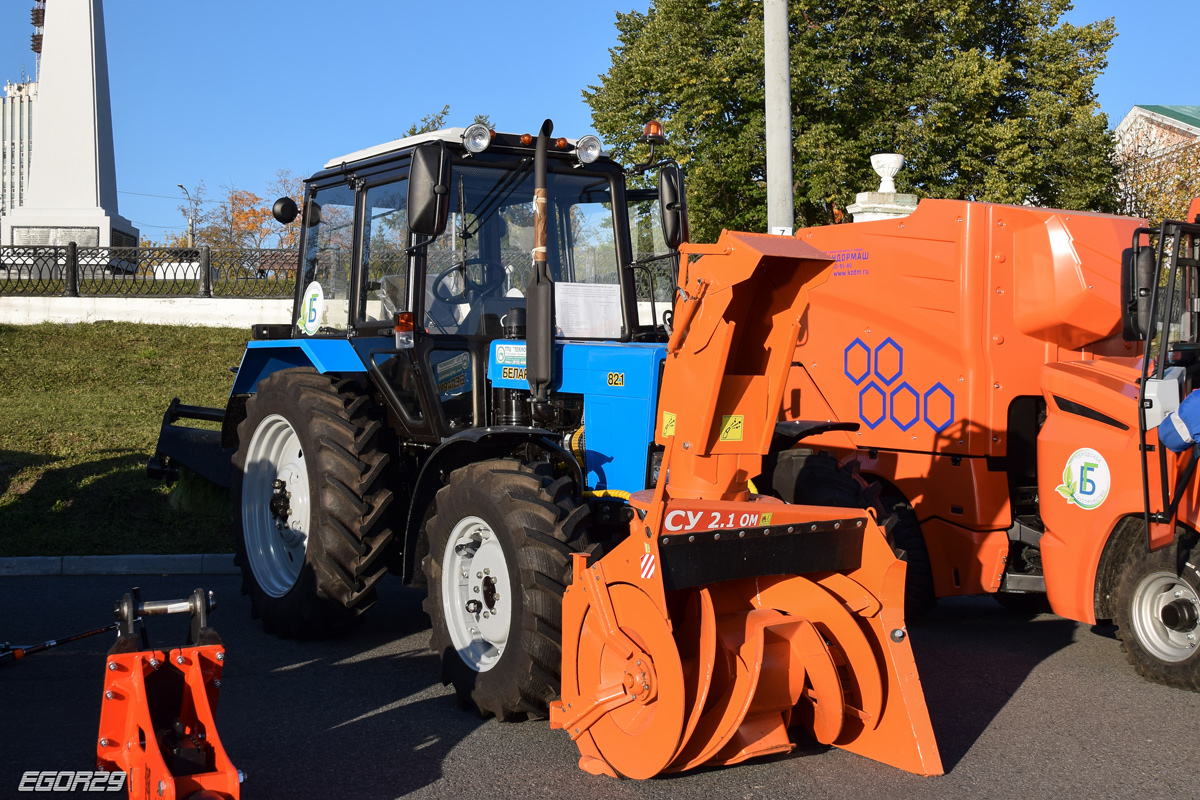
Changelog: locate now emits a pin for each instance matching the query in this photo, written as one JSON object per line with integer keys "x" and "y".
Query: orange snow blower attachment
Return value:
{"x": 725, "y": 618}
{"x": 156, "y": 723}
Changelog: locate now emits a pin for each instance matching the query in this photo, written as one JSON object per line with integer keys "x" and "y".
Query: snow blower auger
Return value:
{"x": 724, "y": 617}
{"x": 156, "y": 722}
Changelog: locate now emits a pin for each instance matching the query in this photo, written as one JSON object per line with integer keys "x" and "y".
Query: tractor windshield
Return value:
{"x": 479, "y": 269}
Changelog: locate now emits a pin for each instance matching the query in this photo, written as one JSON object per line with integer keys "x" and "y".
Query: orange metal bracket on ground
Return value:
{"x": 156, "y": 724}
{"x": 725, "y": 622}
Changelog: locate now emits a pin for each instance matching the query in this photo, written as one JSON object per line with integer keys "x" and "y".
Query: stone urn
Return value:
{"x": 886, "y": 165}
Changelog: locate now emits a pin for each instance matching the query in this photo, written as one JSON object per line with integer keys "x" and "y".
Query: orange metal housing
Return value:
{"x": 725, "y": 618}
{"x": 979, "y": 348}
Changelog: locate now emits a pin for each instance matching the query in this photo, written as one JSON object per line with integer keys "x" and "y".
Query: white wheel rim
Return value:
{"x": 1153, "y": 593}
{"x": 476, "y": 593}
{"x": 275, "y": 544}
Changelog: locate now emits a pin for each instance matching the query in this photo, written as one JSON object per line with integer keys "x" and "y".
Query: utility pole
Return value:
{"x": 191, "y": 218}
{"x": 776, "y": 69}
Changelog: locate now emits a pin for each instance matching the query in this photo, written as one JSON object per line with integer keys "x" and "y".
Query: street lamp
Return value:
{"x": 191, "y": 218}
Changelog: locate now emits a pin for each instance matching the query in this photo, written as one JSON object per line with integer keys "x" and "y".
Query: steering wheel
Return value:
{"x": 469, "y": 286}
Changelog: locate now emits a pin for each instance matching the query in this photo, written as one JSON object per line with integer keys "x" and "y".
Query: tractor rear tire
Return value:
{"x": 311, "y": 492}
{"x": 817, "y": 479}
{"x": 500, "y": 542}
{"x": 1157, "y": 610}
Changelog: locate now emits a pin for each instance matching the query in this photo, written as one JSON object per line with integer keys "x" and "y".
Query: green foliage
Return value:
{"x": 437, "y": 121}
{"x": 83, "y": 405}
{"x": 429, "y": 122}
{"x": 987, "y": 99}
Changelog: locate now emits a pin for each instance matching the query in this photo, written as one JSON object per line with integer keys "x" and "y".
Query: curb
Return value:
{"x": 188, "y": 564}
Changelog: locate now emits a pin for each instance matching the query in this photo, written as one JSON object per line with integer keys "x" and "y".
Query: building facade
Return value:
{"x": 16, "y": 142}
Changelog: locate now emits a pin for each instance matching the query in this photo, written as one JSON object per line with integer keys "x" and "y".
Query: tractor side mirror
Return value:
{"x": 429, "y": 190}
{"x": 312, "y": 214}
{"x": 672, "y": 205}
{"x": 285, "y": 210}
{"x": 1137, "y": 279}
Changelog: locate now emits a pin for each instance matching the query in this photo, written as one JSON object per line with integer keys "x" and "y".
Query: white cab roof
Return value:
{"x": 444, "y": 135}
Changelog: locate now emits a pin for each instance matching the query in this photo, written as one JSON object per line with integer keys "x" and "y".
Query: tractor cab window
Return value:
{"x": 654, "y": 263}
{"x": 384, "y": 263}
{"x": 328, "y": 253}
{"x": 479, "y": 269}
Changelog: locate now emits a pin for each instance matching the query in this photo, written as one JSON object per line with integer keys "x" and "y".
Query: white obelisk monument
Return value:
{"x": 72, "y": 190}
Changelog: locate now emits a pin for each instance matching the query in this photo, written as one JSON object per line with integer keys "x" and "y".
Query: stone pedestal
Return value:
{"x": 72, "y": 188}
{"x": 882, "y": 205}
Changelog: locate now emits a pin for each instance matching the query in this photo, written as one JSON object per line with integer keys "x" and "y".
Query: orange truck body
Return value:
{"x": 979, "y": 347}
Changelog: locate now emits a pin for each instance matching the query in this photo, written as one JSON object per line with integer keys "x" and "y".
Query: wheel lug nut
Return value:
{"x": 476, "y": 590}
{"x": 486, "y": 615}
{"x": 487, "y": 571}
{"x": 478, "y": 574}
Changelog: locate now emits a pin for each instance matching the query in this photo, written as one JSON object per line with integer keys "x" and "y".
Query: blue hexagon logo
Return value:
{"x": 939, "y": 405}
{"x": 889, "y": 361}
{"x": 904, "y": 406}
{"x": 856, "y": 361}
{"x": 873, "y": 402}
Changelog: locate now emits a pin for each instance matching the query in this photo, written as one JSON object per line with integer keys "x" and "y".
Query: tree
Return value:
{"x": 286, "y": 184}
{"x": 987, "y": 99}
{"x": 429, "y": 122}
{"x": 437, "y": 121}
{"x": 1159, "y": 173}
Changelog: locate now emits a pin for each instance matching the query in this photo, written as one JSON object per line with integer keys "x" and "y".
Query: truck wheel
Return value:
{"x": 311, "y": 488}
{"x": 499, "y": 560}
{"x": 817, "y": 479}
{"x": 1157, "y": 611}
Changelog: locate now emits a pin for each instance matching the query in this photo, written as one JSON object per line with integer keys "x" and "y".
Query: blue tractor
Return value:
{"x": 467, "y": 388}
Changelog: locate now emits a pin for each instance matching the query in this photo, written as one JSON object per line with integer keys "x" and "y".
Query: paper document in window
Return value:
{"x": 587, "y": 310}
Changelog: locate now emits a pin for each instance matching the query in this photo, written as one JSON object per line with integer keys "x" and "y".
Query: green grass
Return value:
{"x": 80, "y": 410}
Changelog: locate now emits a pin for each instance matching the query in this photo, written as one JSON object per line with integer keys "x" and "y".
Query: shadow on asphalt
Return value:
{"x": 973, "y": 656}
{"x": 361, "y": 716}
{"x": 366, "y": 716}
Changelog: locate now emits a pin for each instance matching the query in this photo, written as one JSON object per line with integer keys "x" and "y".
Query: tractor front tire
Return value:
{"x": 817, "y": 479}
{"x": 1158, "y": 610}
{"x": 500, "y": 542}
{"x": 311, "y": 492}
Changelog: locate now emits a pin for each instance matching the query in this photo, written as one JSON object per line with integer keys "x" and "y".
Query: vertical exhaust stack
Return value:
{"x": 539, "y": 297}
{"x": 725, "y": 618}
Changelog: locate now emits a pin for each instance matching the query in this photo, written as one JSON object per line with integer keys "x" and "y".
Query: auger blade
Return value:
{"x": 623, "y": 702}
{"x": 698, "y": 647}
{"x": 862, "y": 670}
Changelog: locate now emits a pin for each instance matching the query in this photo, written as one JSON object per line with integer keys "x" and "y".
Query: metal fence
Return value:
{"x": 73, "y": 271}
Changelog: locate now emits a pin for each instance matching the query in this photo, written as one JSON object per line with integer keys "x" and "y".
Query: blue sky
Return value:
{"x": 229, "y": 91}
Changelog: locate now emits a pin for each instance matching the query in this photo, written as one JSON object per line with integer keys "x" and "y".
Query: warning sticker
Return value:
{"x": 765, "y": 519}
{"x": 731, "y": 427}
{"x": 668, "y": 428}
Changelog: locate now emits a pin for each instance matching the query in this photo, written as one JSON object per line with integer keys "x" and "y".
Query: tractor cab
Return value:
{"x": 420, "y": 254}
{"x": 1162, "y": 308}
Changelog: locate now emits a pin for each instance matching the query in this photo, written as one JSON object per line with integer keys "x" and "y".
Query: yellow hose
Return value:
{"x": 617, "y": 493}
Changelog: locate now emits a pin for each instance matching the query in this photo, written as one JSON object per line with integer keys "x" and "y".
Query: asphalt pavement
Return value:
{"x": 1022, "y": 707}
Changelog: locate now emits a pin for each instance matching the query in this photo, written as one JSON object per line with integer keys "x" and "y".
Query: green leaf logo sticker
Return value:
{"x": 1086, "y": 480}
{"x": 312, "y": 309}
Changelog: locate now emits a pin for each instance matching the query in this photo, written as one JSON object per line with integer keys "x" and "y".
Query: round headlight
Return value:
{"x": 477, "y": 138}
{"x": 588, "y": 149}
